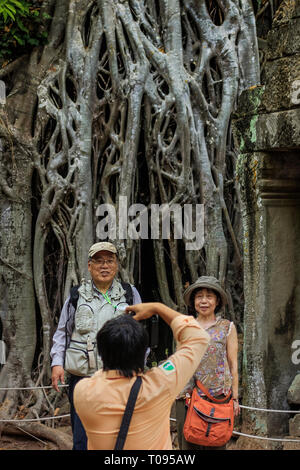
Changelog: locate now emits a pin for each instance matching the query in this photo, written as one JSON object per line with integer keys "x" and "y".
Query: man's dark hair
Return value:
{"x": 122, "y": 344}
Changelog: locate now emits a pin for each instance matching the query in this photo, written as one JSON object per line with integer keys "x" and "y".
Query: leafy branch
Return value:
{"x": 20, "y": 28}
{"x": 13, "y": 8}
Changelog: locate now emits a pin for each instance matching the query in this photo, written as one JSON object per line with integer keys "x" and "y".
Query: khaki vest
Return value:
{"x": 91, "y": 313}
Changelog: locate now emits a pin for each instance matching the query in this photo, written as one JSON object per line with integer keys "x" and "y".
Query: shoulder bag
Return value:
{"x": 208, "y": 423}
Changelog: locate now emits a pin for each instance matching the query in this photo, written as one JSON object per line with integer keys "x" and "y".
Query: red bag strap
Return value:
{"x": 206, "y": 392}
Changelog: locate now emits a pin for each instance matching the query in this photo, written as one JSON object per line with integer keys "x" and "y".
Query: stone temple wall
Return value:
{"x": 267, "y": 132}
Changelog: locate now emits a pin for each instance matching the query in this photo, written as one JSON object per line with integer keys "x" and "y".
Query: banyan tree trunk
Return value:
{"x": 129, "y": 100}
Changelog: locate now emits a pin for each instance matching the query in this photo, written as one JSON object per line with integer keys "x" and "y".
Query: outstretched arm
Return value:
{"x": 192, "y": 341}
{"x": 147, "y": 310}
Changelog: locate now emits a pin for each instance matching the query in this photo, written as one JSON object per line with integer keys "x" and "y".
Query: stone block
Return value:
{"x": 294, "y": 426}
{"x": 266, "y": 132}
{"x": 278, "y": 130}
{"x": 296, "y": 11}
{"x": 288, "y": 9}
{"x": 293, "y": 395}
{"x": 249, "y": 102}
{"x": 282, "y": 85}
{"x": 291, "y": 445}
{"x": 284, "y": 40}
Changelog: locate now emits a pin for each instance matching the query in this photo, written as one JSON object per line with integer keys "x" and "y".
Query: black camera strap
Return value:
{"x": 128, "y": 414}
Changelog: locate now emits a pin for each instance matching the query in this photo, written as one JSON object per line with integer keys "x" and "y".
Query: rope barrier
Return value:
{"x": 241, "y": 406}
{"x": 33, "y": 419}
{"x": 31, "y": 435}
{"x": 30, "y": 388}
{"x": 266, "y": 438}
{"x": 257, "y": 437}
{"x": 270, "y": 411}
{"x": 171, "y": 419}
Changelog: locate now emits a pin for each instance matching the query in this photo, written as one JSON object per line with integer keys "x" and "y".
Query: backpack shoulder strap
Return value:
{"x": 128, "y": 292}
{"x": 74, "y": 295}
{"x": 206, "y": 392}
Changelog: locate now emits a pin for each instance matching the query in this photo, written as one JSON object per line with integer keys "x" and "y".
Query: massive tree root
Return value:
{"x": 175, "y": 70}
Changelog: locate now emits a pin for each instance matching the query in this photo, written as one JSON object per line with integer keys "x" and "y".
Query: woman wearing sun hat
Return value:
{"x": 218, "y": 369}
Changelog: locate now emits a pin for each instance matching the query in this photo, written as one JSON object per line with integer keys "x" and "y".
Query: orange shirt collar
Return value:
{"x": 114, "y": 374}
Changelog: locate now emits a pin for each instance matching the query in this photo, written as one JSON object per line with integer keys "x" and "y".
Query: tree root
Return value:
{"x": 40, "y": 431}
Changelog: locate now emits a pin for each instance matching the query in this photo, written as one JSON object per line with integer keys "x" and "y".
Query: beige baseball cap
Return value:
{"x": 102, "y": 246}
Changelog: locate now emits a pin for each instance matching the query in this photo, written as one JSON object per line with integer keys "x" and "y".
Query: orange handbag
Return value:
{"x": 207, "y": 423}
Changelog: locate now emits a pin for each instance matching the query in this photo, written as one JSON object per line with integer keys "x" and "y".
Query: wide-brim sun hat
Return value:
{"x": 208, "y": 282}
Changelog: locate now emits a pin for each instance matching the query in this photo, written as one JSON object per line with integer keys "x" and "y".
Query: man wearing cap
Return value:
{"x": 74, "y": 342}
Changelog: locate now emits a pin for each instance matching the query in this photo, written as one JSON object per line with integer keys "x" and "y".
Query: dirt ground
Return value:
{"x": 14, "y": 442}
{"x": 27, "y": 443}
{"x": 24, "y": 443}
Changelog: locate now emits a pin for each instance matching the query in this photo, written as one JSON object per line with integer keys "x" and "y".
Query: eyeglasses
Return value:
{"x": 102, "y": 262}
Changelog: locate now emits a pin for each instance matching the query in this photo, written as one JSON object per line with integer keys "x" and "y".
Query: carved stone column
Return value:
{"x": 267, "y": 131}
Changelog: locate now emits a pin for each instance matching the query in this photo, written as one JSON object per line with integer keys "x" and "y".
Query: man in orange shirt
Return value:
{"x": 100, "y": 400}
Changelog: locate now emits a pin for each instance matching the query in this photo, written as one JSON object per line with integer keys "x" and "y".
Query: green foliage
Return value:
{"x": 13, "y": 8}
{"x": 20, "y": 28}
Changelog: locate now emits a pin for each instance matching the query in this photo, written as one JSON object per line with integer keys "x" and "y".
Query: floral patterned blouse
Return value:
{"x": 213, "y": 371}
